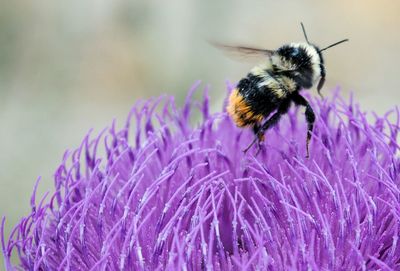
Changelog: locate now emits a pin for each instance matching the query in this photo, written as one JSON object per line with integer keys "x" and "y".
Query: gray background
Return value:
{"x": 68, "y": 66}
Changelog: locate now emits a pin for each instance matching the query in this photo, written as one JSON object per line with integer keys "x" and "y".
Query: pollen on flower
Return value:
{"x": 164, "y": 194}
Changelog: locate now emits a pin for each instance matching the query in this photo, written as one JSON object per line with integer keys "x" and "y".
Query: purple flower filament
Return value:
{"x": 164, "y": 194}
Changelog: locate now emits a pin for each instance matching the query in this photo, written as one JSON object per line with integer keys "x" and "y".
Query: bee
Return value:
{"x": 272, "y": 86}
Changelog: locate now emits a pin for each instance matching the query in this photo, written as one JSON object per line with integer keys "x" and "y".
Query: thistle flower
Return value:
{"x": 164, "y": 194}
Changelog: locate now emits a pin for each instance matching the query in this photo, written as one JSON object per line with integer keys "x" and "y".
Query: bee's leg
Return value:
{"x": 320, "y": 85}
{"x": 256, "y": 127}
{"x": 258, "y": 138}
{"x": 310, "y": 117}
{"x": 250, "y": 145}
{"x": 272, "y": 121}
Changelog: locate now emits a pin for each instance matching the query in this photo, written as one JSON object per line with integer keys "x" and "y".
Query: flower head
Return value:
{"x": 164, "y": 194}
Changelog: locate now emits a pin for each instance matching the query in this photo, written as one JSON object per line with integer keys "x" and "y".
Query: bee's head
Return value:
{"x": 304, "y": 60}
{"x": 297, "y": 56}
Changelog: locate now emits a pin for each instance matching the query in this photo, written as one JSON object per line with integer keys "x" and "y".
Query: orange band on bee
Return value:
{"x": 240, "y": 111}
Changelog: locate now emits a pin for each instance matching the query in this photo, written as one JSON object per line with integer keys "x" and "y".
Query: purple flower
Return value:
{"x": 163, "y": 194}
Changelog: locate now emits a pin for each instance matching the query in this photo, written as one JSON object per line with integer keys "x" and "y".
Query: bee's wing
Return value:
{"x": 243, "y": 52}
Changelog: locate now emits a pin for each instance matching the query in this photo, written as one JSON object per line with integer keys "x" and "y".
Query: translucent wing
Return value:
{"x": 243, "y": 52}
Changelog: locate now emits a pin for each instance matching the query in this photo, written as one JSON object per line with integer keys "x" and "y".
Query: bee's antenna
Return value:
{"x": 304, "y": 32}
{"x": 336, "y": 43}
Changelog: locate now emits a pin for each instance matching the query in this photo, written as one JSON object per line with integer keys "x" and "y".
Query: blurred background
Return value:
{"x": 68, "y": 66}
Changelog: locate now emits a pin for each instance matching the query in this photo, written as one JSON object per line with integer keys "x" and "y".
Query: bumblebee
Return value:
{"x": 272, "y": 87}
